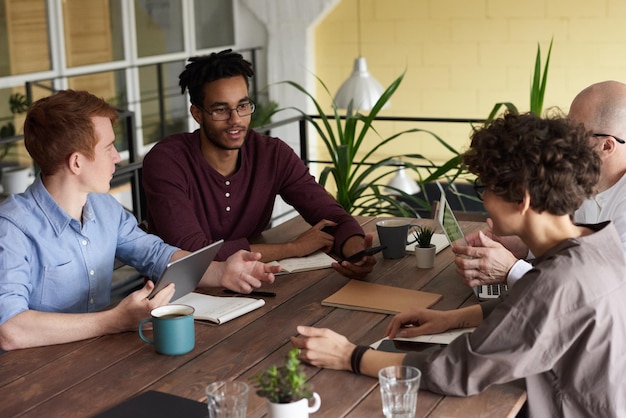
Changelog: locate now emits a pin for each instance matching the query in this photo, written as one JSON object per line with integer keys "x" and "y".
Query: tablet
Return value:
{"x": 455, "y": 236}
{"x": 187, "y": 271}
{"x": 449, "y": 224}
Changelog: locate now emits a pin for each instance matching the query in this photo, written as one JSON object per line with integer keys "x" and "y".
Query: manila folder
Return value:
{"x": 364, "y": 296}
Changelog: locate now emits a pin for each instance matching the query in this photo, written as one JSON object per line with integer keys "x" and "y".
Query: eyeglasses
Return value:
{"x": 479, "y": 188}
{"x": 620, "y": 140}
{"x": 224, "y": 113}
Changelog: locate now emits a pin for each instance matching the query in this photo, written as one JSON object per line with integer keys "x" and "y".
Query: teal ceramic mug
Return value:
{"x": 172, "y": 329}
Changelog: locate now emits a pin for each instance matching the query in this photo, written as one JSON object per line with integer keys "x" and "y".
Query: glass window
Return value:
{"x": 93, "y": 32}
{"x": 160, "y": 118}
{"x": 24, "y": 46}
{"x": 159, "y": 27}
{"x": 214, "y": 23}
{"x": 111, "y": 86}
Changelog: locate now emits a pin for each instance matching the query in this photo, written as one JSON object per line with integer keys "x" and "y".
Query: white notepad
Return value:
{"x": 317, "y": 260}
{"x": 219, "y": 309}
{"x": 443, "y": 338}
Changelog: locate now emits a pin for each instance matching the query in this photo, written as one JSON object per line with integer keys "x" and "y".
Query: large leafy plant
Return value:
{"x": 537, "y": 94}
{"x": 537, "y": 88}
{"x": 360, "y": 179}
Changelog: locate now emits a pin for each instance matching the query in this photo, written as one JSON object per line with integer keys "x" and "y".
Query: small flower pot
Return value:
{"x": 17, "y": 179}
{"x": 298, "y": 409}
{"x": 425, "y": 257}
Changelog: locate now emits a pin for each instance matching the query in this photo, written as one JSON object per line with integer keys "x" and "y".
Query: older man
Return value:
{"x": 601, "y": 108}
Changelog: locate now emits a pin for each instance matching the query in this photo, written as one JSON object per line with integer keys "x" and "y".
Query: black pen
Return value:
{"x": 253, "y": 293}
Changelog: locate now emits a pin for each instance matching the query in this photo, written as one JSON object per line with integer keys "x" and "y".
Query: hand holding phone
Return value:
{"x": 365, "y": 252}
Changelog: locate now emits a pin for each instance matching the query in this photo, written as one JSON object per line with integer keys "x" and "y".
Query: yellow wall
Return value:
{"x": 462, "y": 56}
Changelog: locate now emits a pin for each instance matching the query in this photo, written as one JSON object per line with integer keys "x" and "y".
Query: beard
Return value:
{"x": 213, "y": 139}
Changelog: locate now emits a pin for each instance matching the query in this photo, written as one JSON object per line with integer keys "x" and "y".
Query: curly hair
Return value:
{"x": 549, "y": 157}
{"x": 207, "y": 68}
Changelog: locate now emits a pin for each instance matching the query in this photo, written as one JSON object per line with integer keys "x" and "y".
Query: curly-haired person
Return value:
{"x": 562, "y": 327}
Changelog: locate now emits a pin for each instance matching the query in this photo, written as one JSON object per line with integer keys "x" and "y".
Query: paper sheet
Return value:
{"x": 443, "y": 338}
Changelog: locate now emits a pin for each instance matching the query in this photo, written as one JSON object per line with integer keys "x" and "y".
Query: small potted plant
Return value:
{"x": 286, "y": 389}
{"x": 425, "y": 251}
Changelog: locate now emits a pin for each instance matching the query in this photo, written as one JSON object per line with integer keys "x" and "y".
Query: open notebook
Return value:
{"x": 317, "y": 260}
{"x": 219, "y": 309}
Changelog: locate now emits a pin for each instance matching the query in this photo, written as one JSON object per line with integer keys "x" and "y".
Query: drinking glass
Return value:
{"x": 227, "y": 399}
{"x": 398, "y": 388}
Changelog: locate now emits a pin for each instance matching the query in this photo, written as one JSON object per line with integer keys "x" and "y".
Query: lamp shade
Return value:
{"x": 360, "y": 88}
{"x": 402, "y": 182}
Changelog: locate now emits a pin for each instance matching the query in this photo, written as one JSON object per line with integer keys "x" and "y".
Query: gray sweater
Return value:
{"x": 562, "y": 328}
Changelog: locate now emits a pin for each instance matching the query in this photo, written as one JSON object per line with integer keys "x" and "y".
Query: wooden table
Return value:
{"x": 87, "y": 377}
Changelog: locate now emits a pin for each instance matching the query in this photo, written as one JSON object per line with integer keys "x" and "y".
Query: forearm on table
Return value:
{"x": 351, "y": 246}
{"x": 374, "y": 360}
{"x": 469, "y": 316}
{"x": 33, "y": 328}
{"x": 272, "y": 252}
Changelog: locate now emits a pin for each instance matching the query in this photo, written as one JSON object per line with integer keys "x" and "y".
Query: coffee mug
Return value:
{"x": 393, "y": 234}
{"x": 172, "y": 329}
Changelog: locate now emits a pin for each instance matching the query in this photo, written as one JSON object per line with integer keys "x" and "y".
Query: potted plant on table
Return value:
{"x": 425, "y": 250}
{"x": 286, "y": 389}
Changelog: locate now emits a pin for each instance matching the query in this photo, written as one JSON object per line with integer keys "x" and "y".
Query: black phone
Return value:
{"x": 365, "y": 252}
{"x": 399, "y": 346}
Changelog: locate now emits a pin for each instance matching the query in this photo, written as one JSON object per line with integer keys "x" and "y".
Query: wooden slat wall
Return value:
{"x": 27, "y": 35}
{"x": 88, "y": 41}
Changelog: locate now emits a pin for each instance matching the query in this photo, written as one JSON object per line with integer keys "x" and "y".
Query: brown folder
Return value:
{"x": 363, "y": 296}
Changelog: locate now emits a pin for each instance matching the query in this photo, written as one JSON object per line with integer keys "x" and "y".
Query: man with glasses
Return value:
{"x": 601, "y": 108}
{"x": 59, "y": 239}
{"x": 221, "y": 181}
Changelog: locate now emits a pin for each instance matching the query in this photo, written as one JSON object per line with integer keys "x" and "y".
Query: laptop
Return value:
{"x": 455, "y": 236}
{"x": 186, "y": 272}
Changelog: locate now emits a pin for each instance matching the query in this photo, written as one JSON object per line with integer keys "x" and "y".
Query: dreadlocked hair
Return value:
{"x": 207, "y": 68}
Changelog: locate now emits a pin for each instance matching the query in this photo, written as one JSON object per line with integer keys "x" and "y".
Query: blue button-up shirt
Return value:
{"x": 51, "y": 262}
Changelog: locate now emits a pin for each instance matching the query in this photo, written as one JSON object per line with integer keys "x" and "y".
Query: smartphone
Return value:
{"x": 399, "y": 346}
{"x": 365, "y": 252}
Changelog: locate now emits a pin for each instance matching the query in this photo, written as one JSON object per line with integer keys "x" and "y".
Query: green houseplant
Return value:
{"x": 425, "y": 250}
{"x": 359, "y": 178}
{"x": 286, "y": 389}
{"x": 18, "y": 104}
{"x": 537, "y": 94}
{"x": 423, "y": 236}
{"x": 537, "y": 88}
{"x": 14, "y": 174}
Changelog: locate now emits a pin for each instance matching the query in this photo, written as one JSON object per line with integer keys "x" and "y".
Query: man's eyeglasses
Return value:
{"x": 224, "y": 113}
{"x": 620, "y": 140}
{"x": 479, "y": 188}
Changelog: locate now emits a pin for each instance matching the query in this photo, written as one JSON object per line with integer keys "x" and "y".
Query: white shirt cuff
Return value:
{"x": 520, "y": 268}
